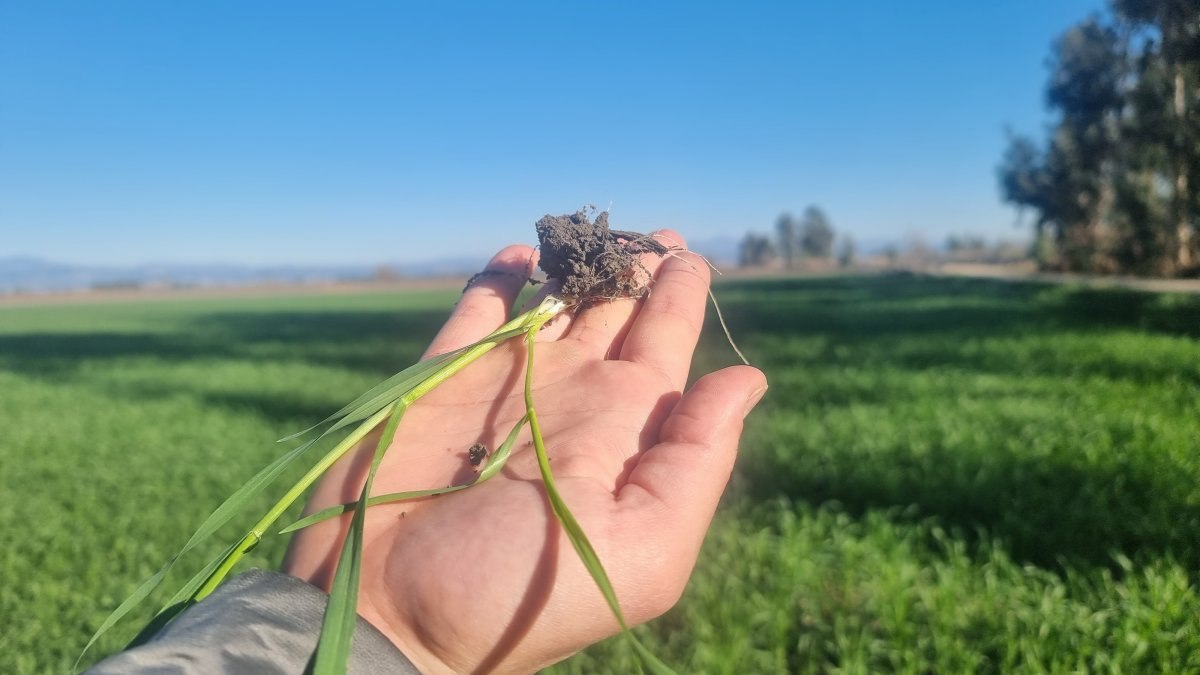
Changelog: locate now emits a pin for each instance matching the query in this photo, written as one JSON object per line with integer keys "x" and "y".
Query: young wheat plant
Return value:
{"x": 383, "y": 404}
{"x": 386, "y": 405}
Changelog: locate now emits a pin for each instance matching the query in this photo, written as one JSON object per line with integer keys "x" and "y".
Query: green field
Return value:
{"x": 947, "y": 475}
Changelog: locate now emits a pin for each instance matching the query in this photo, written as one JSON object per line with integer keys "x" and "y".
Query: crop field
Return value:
{"x": 947, "y": 475}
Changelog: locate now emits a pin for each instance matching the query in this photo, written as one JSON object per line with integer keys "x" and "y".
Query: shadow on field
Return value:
{"x": 372, "y": 342}
{"x": 871, "y": 380}
{"x": 56, "y": 354}
{"x": 1047, "y": 361}
{"x": 907, "y": 304}
{"x": 1045, "y": 513}
{"x": 1123, "y": 308}
{"x": 879, "y": 368}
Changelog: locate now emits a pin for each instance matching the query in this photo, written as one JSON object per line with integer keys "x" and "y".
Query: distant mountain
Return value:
{"x": 26, "y": 274}
{"x": 34, "y": 275}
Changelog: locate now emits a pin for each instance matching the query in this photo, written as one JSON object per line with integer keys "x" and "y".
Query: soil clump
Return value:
{"x": 591, "y": 261}
{"x": 477, "y": 453}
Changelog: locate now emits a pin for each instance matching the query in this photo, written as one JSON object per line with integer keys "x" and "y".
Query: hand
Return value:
{"x": 484, "y": 580}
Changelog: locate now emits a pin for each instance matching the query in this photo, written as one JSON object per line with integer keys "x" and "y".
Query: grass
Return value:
{"x": 947, "y": 475}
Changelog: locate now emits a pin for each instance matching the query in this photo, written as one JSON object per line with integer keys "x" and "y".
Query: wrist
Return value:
{"x": 376, "y": 608}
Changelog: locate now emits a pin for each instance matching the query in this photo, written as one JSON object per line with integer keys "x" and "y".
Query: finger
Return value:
{"x": 698, "y": 440}
{"x": 601, "y": 327}
{"x": 486, "y": 301}
{"x": 674, "y": 489}
{"x": 664, "y": 333}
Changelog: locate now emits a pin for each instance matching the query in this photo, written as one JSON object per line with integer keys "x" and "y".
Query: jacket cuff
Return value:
{"x": 257, "y": 622}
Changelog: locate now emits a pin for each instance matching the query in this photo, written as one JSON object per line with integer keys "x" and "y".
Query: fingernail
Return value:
{"x": 753, "y": 399}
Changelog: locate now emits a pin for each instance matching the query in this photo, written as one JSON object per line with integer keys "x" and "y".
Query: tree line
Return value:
{"x": 811, "y": 237}
{"x": 1114, "y": 187}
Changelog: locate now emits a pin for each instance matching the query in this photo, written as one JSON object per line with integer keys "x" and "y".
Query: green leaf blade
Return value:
{"x": 335, "y": 511}
{"x": 182, "y": 599}
{"x": 493, "y": 467}
{"x": 223, "y": 513}
{"x": 579, "y": 540}
{"x": 341, "y": 614}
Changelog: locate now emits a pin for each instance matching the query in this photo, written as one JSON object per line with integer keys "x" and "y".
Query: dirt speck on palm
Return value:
{"x": 477, "y": 453}
{"x": 591, "y": 261}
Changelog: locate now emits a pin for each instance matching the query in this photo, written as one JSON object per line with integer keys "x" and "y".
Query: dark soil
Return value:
{"x": 484, "y": 275}
{"x": 591, "y": 261}
{"x": 476, "y": 453}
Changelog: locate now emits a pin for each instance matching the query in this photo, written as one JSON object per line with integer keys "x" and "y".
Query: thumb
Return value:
{"x": 673, "y": 491}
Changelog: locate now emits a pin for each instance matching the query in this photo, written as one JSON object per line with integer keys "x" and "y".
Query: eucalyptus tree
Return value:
{"x": 816, "y": 234}
{"x": 785, "y": 234}
{"x": 1165, "y": 108}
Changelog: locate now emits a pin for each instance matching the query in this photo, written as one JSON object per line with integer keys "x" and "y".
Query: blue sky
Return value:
{"x": 360, "y": 132}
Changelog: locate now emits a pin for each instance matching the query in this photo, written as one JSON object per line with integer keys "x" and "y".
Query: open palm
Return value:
{"x": 484, "y": 580}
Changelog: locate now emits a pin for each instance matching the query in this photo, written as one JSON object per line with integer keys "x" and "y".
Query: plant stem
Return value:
{"x": 579, "y": 540}
{"x": 255, "y": 535}
{"x": 332, "y": 655}
{"x": 497, "y": 462}
{"x": 531, "y": 320}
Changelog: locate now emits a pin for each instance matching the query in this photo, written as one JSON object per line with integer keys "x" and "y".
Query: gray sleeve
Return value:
{"x": 257, "y": 622}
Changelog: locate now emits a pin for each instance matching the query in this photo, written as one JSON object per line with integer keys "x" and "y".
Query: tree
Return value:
{"x": 846, "y": 251}
{"x": 1113, "y": 187}
{"x": 1025, "y": 182}
{"x": 785, "y": 233}
{"x": 892, "y": 254}
{"x": 917, "y": 251}
{"x": 816, "y": 234}
{"x": 1069, "y": 183}
{"x": 965, "y": 243}
{"x": 384, "y": 273}
{"x": 1166, "y": 124}
{"x": 755, "y": 251}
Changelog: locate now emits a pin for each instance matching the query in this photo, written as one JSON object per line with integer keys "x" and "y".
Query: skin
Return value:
{"x": 484, "y": 580}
